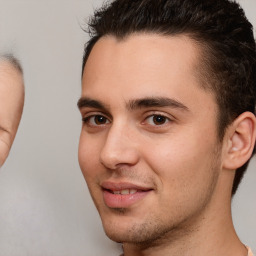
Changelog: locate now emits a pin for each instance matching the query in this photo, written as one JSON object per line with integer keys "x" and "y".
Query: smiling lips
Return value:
{"x": 124, "y": 191}
{"x": 123, "y": 195}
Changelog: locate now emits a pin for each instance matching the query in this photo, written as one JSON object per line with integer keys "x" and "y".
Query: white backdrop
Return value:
{"x": 45, "y": 207}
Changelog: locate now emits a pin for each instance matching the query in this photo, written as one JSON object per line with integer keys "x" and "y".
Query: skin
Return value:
{"x": 11, "y": 105}
{"x": 171, "y": 150}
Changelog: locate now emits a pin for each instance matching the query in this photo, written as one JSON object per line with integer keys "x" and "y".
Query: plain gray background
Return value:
{"x": 45, "y": 207}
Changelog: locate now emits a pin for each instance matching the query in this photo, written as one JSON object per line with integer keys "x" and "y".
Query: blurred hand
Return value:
{"x": 11, "y": 104}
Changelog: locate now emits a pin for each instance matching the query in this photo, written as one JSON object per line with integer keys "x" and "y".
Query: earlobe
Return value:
{"x": 241, "y": 136}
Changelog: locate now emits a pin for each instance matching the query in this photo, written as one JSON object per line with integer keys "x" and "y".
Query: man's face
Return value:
{"x": 148, "y": 148}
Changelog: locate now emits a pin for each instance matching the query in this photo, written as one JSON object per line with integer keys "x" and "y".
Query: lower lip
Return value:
{"x": 123, "y": 201}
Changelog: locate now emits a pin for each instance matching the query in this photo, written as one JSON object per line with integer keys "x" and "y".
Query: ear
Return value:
{"x": 240, "y": 140}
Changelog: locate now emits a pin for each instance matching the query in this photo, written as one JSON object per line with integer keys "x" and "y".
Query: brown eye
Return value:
{"x": 157, "y": 120}
{"x": 96, "y": 120}
{"x": 99, "y": 120}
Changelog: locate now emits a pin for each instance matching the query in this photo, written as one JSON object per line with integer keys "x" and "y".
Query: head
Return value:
{"x": 11, "y": 102}
{"x": 219, "y": 27}
{"x": 176, "y": 61}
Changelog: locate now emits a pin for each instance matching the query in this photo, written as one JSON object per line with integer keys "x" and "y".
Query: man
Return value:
{"x": 168, "y": 110}
{"x": 11, "y": 102}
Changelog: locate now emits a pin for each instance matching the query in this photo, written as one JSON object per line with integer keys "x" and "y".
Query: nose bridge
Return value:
{"x": 119, "y": 147}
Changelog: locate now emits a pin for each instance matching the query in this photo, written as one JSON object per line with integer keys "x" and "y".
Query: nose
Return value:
{"x": 119, "y": 148}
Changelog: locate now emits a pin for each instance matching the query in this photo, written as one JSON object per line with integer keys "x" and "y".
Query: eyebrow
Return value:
{"x": 84, "y": 102}
{"x": 134, "y": 104}
{"x": 156, "y": 102}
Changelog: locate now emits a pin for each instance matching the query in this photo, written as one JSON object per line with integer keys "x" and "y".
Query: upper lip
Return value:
{"x": 118, "y": 186}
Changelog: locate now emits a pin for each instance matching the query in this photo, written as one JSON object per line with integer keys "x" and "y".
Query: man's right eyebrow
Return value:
{"x": 84, "y": 102}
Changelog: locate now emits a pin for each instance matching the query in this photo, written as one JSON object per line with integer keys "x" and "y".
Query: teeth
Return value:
{"x": 125, "y": 192}
{"x": 133, "y": 191}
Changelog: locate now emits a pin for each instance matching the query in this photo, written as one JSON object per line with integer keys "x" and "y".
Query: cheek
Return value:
{"x": 184, "y": 165}
{"x": 186, "y": 181}
{"x": 88, "y": 155}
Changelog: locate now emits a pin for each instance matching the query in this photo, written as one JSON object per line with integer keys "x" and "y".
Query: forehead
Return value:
{"x": 144, "y": 50}
{"x": 143, "y": 65}
{"x": 9, "y": 71}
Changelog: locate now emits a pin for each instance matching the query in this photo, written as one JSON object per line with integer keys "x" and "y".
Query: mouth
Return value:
{"x": 124, "y": 191}
{"x": 123, "y": 195}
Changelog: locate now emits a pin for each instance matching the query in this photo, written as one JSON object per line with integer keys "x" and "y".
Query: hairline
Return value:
{"x": 203, "y": 69}
{"x": 9, "y": 58}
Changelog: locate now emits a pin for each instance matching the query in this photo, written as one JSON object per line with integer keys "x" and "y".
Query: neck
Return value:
{"x": 210, "y": 233}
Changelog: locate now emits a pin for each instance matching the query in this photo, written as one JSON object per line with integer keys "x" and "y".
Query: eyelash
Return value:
{"x": 162, "y": 119}
{"x": 87, "y": 120}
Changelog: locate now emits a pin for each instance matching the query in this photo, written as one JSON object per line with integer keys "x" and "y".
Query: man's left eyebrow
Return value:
{"x": 156, "y": 102}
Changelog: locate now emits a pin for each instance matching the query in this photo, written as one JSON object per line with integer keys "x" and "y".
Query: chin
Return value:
{"x": 117, "y": 228}
{"x": 121, "y": 236}
{"x": 123, "y": 229}
{"x": 142, "y": 238}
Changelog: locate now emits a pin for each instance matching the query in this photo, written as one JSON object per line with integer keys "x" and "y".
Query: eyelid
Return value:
{"x": 149, "y": 124}
{"x": 159, "y": 113}
{"x": 90, "y": 114}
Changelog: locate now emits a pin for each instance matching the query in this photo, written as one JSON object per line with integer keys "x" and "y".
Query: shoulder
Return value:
{"x": 250, "y": 253}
